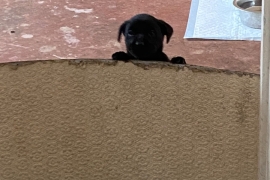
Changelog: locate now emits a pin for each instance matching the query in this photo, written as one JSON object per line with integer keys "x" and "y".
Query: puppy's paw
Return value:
{"x": 122, "y": 56}
{"x": 178, "y": 60}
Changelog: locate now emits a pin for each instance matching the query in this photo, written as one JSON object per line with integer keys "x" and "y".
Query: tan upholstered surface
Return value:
{"x": 123, "y": 122}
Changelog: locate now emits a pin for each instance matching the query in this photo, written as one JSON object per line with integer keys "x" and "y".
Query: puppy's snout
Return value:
{"x": 140, "y": 40}
{"x": 139, "y": 43}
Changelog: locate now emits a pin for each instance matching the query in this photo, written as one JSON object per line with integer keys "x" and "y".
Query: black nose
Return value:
{"x": 139, "y": 40}
{"x": 139, "y": 43}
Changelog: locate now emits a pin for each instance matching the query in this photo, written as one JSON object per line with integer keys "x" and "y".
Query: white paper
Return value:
{"x": 218, "y": 19}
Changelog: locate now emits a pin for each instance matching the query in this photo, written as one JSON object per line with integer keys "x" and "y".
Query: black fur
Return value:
{"x": 144, "y": 36}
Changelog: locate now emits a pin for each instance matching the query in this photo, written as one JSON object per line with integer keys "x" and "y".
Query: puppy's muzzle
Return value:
{"x": 139, "y": 40}
{"x": 139, "y": 43}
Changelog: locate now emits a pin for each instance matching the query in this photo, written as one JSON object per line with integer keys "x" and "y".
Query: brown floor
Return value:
{"x": 57, "y": 29}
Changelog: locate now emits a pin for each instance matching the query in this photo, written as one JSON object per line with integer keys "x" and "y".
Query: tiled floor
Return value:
{"x": 53, "y": 29}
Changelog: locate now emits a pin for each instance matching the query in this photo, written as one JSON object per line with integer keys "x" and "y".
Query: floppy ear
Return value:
{"x": 166, "y": 29}
{"x": 122, "y": 29}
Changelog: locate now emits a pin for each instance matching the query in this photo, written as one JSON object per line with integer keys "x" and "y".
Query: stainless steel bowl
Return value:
{"x": 250, "y": 12}
{"x": 245, "y": 4}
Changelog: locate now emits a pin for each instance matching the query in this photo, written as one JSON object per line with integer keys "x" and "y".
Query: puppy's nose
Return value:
{"x": 139, "y": 43}
{"x": 139, "y": 40}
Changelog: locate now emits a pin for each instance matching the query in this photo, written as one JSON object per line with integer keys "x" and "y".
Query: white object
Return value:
{"x": 218, "y": 19}
{"x": 264, "y": 153}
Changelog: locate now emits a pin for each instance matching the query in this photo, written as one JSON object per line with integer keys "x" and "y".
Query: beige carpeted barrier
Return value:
{"x": 72, "y": 120}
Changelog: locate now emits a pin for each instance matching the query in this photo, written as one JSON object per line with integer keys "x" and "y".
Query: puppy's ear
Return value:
{"x": 166, "y": 29}
{"x": 122, "y": 29}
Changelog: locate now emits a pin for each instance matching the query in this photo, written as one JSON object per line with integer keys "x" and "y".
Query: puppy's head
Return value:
{"x": 144, "y": 35}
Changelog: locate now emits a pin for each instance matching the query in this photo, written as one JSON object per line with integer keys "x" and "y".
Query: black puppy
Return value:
{"x": 144, "y": 35}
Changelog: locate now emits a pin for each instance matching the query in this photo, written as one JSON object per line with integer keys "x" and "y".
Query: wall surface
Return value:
{"x": 123, "y": 121}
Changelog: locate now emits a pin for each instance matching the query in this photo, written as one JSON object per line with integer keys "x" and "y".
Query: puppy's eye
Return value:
{"x": 130, "y": 33}
{"x": 152, "y": 33}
